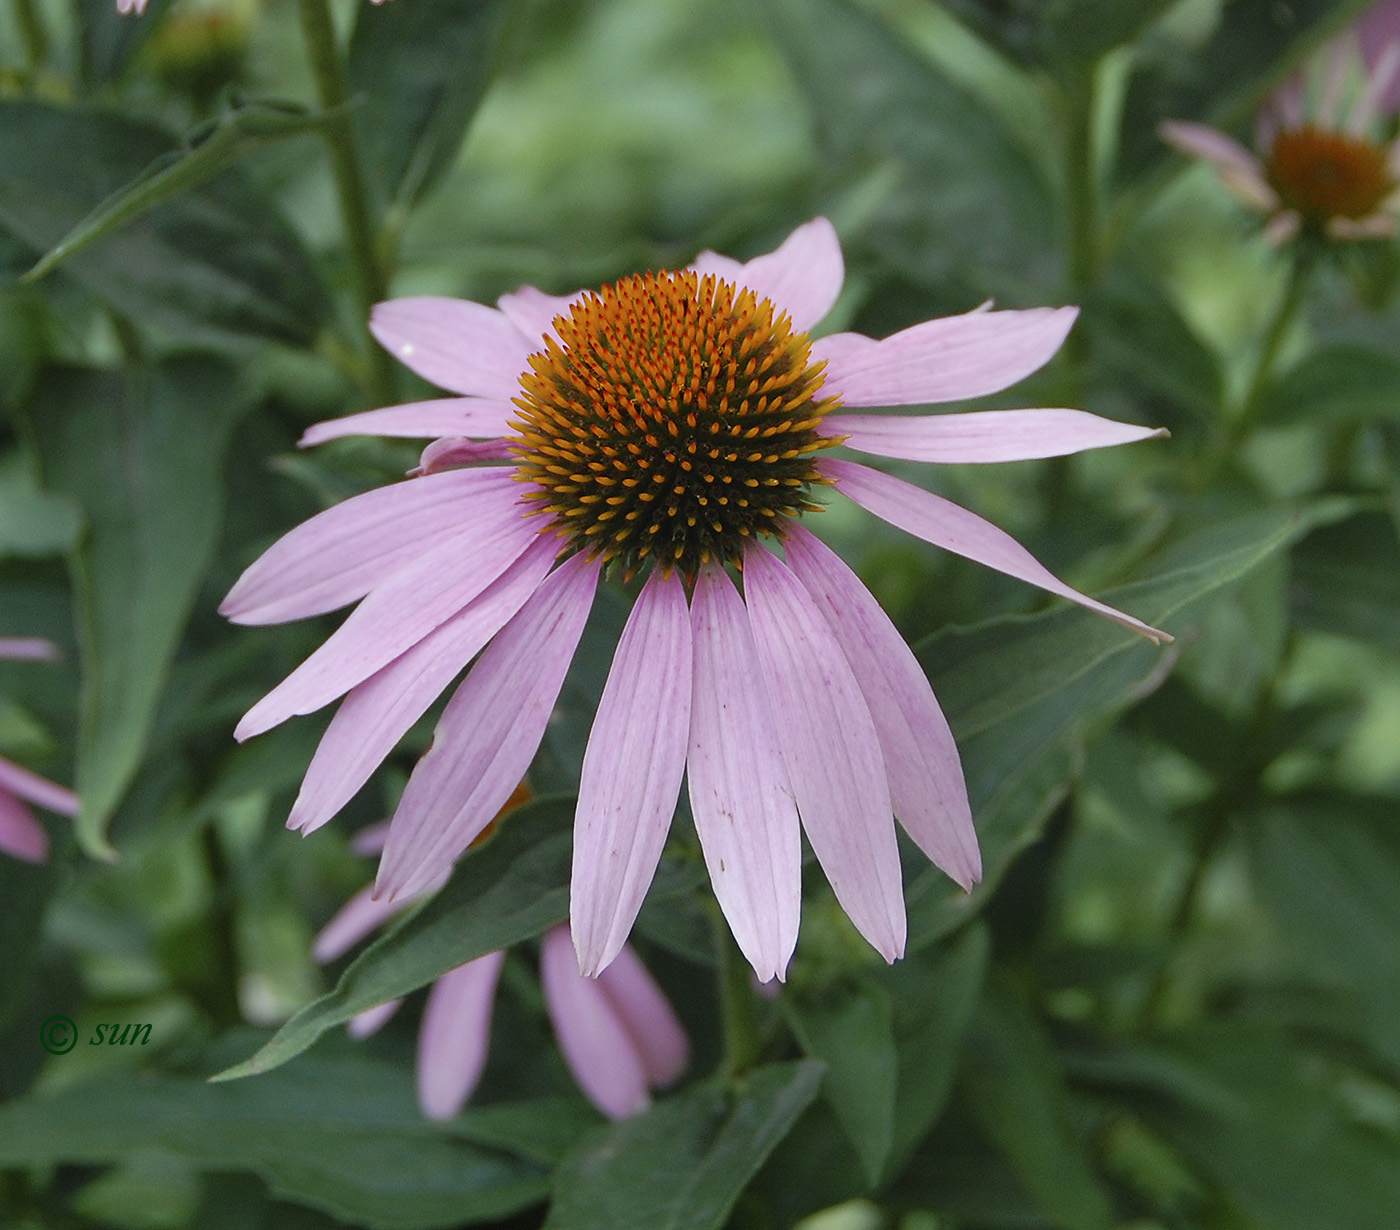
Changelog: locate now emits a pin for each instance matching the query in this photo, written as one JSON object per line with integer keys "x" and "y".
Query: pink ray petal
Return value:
{"x": 477, "y": 417}
{"x": 29, "y": 649}
{"x": 947, "y": 359}
{"x": 802, "y": 277}
{"x": 488, "y": 733}
{"x": 370, "y": 839}
{"x": 455, "y": 1036}
{"x": 372, "y": 1020}
{"x": 1380, "y": 82}
{"x": 1282, "y": 228}
{"x": 594, "y": 1042}
{"x": 397, "y": 614}
{"x": 921, "y": 759}
{"x": 1377, "y": 29}
{"x": 648, "y": 1017}
{"x": 377, "y": 713}
{"x": 351, "y": 923}
{"x": 1240, "y": 170}
{"x": 632, "y": 772}
{"x": 985, "y": 435}
{"x": 533, "y": 312}
{"x": 339, "y": 555}
{"x": 831, "y": 750}
{"x": 946, "y": 525}
{"x": 744, "y": 810}
{"x": 458, "y": 345}
{"x": 36, "y": 789}
{"x": 453, "y": 452}
{"x": 21, "y": 834}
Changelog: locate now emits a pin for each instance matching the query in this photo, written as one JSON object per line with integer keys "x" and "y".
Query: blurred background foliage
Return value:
{"x": 1174, "y": 1001}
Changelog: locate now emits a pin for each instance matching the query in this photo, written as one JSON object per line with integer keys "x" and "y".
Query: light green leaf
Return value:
{"x": 342, "y": 1135}
{"x": 683, "y": 1164}
{"x": 438, "y": 59}
{"x": 1335, "y": 383}
{"x": 141, "y": 453}
{"x": 33, "y": 522}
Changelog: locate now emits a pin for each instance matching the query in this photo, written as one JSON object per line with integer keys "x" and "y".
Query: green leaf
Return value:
{"x": 423, "y": 71}
{"x": 216, "y": 262}
{"x": 343, "y": 1135}
{"x": 1083, "y": 31}
{"x": 1019, "y": 692}
{"x": 141, "y": 453}
{"x": 1335, "y": 383}
{"x": 683, "y": 1164}
{"x": 1327, "y": 869}
{"x": 850, "y": 1028}
{"x": 1015, "y": 1085}
{"x": 33, "y": 522}
{"x": 511, "y": 888}
{"x": 109, "y": 40}
{"x": 1346, "y": 580}
{"x": 238, "y": 130}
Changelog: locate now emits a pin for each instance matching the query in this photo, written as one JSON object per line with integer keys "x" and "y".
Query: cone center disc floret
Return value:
{"x": 1326, "y": 175}
{"x": 674, "y": 417}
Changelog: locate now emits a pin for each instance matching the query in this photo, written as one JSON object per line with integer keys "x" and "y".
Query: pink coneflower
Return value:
{"x": 617, "y": 1033}
{"x": 1328, "y": 162}
{"x": 21, "y": 835}
{"x": 679, "y": 423}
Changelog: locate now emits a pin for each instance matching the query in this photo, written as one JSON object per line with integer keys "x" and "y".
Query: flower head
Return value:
{"x": 1328, "y": 161}
{"x": 678, "y": 423}
{"x": 617, "y": 1033}
{"x": 21, "y": 834}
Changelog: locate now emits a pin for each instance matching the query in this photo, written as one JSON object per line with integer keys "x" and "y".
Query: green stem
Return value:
{"x": 34, "y": 33}
{"x": 742, "y": 1040}
{"x": 371, "y": 282}
{"x": 1081, "y": 184}
{"x": 1299, "y": 269}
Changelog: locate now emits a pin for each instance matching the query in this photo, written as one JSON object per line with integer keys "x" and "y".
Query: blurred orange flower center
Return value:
{"x": 674, "y": 417}
{"x": 1326, "y": 175}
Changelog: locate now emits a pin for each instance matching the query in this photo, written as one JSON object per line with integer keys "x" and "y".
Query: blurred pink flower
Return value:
{"x": 618, "y": 1034}
{"x": 670, "y": 421}
{"x": 1328, "y": 160}
{"x": 21, "y": 834}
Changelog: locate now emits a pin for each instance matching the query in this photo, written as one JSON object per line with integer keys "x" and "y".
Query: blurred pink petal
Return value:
{"x": 921, "y": 759}
{"x": 455, "y": 344}
{"x": 372, "y": 1020}
{"x": 648, "y": 1017}
{"x": 21, "y": 835}
{"x": 743, "y": 805}
{"x": 488, "y": 733}
{"x": 29, "y": 649}
{"x": 981, "y": 436}
{"x": 478, "y": 417}
{"x": 949, "y": 359}
{"x": 456, "y": 1034}
{"x": 35, "y": 789}
{"x": 831, "y": 750}
{"x": 632, "y": 771}
{"x": 944, "y": 524}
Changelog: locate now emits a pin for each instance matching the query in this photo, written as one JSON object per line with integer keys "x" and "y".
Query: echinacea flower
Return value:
{"x": 21, "y": 834}
{"x": 1328, "y": 161}
{"x": 676, "y": 423}
{"x": 618, "y": 1033}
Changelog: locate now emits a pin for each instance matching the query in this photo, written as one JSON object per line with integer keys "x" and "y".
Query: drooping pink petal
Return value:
{"x": 985, "y": 435}
{"x": 921, "y": 759}
{"x": 831, "y": 750}
{"x": 1378, "y": 29}
{"x": 453, "y": 452}
{"x": 350, "y": 924}
{"x": 488, "y": 733}
{"x": 339, "y": 555}
{"x": 398, "y": 613}
{"x": 456, "y": 344}
{"x": 533, "y": 312}
{"x": 28, "y": 649}
{"x": 36, "y": 789}
{"x": 477, "y": 417}
{"x": 632, "y": 771}
{"x": 370, "y": 839}
{"x": 744, "y": 808}
{"x": 802, "y": 277}
{"x": 648, "y": 1017}
{"x": 21, "y": 834}
{"x": 1380, "y": 83}
{"x": 947, "y": 359}
{"x": 372, "y": 1020}
{"x": 946, "y": 525}
{"x": 456, "y": 1035}
{"x": 377, "y": 713}
{"x": 1242, "y": 172}
{"x": 594, "y": 1042}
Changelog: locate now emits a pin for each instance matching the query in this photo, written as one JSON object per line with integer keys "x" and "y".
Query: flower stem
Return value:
{"x": 1299, "y": 269}
{"x": 34, "y": 33}
{"x": 371, "y": 282}
{"x": 742, "y": 1041}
